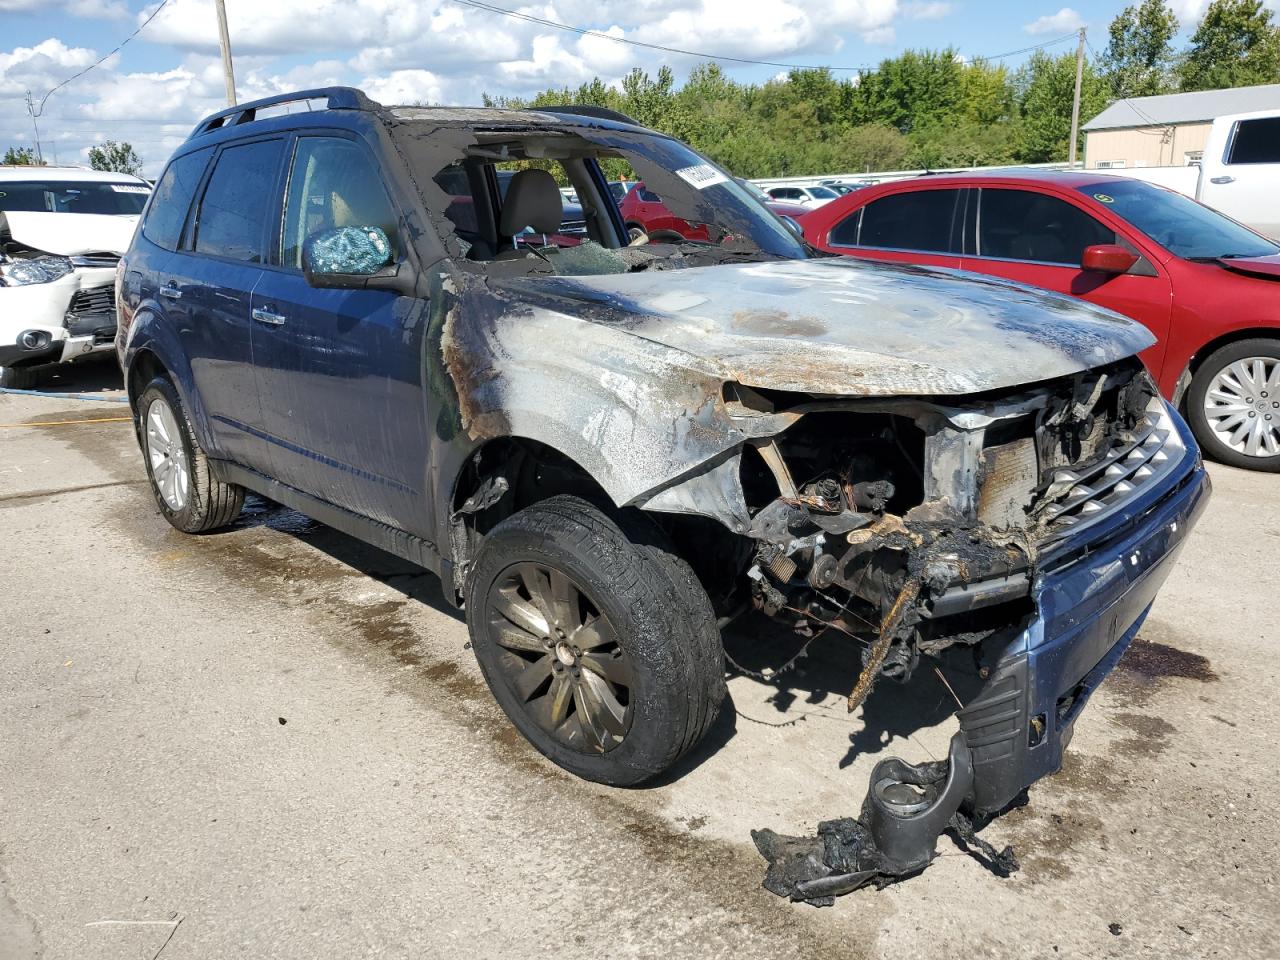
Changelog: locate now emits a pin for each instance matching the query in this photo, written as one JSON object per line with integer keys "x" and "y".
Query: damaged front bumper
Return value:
{"x": 1021, "y": 694}
{"x": 59, "y": 321}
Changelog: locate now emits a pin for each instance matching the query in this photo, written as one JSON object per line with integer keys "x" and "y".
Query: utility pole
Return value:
{"x": 224, "y": 41}
{"x": 31, "y": 109}
{"x": 1075, "y": 101}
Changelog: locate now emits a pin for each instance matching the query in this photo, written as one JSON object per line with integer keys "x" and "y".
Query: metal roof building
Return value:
{"x": 1168, "y": 130}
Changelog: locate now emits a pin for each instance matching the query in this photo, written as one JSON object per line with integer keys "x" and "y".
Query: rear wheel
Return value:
{"x": 594, "y": 650}
{"x": 1234, "y": 404}
{"x": 184, "y": 487}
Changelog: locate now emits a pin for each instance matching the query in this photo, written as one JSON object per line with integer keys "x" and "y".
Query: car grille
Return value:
{"x": 1135, "y": 461}
{"x": 92, "y": 312}
{"x": 96, "y": 260}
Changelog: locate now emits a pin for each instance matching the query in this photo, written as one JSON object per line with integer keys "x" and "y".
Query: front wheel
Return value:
{"x": 594, "y": 645}
{"x": 20, "y": 378}
{"x": 1234, "y": 404}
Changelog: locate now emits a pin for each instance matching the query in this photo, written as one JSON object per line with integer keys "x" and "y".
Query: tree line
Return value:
{"x": 933, "y": 108}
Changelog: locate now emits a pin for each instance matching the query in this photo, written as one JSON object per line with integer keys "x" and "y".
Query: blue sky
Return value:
{"x": 434, "y": 51}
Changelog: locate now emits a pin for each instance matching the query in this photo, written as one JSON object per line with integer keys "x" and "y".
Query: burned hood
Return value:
{"x": 850, "y": 327}
{"x": 71, "y": 234}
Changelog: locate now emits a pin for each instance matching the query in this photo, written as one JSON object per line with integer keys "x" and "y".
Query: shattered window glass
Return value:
{"x": 522, "y": 196}
{"x": 333, "y": 184}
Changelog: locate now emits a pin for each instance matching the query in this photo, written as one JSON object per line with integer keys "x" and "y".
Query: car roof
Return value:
{"x": 1062, "y": 178}
{"x": 77, "y": 174}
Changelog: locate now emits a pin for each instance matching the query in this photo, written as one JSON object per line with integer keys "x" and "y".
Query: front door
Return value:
{"x": 1039, "y": 239}
{"x": 340, "y": 370}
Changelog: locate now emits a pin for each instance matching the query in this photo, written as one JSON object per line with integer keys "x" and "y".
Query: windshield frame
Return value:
{"x": 141, "y": 191}
{"x": 1151, "y": 199}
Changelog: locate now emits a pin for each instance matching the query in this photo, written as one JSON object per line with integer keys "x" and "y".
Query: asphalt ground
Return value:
{"x": 272, "y": 742}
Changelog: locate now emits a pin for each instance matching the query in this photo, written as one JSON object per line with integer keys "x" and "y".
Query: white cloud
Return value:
{"x": 920, "y": 10}
{"x": 1064, "y": 21}
{"x": 38, "y": 68}
{"x": 405, "y": 87}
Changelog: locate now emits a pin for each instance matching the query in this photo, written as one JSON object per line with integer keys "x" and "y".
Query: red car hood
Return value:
{"x": 1268, "y": 267}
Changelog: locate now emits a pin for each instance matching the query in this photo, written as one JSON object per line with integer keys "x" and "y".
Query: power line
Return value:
{"x": 583, "y": 31}
{"x": 99, "y": 61}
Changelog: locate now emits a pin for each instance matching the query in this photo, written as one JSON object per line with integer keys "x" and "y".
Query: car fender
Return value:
{"x": 148, "y": 334}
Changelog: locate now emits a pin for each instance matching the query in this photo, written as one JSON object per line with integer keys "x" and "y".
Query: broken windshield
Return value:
{"x": 544, "y": 198}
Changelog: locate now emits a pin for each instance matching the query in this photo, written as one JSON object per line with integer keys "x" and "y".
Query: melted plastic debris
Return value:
{"x": 843, "y": 857}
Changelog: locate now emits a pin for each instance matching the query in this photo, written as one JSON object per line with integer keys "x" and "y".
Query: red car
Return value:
{"x": 644, "y": 213}
{"x": 1206, "y": 286}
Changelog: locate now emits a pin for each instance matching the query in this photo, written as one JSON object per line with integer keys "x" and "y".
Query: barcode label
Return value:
{"x": 128, "y": 188}
{"x": 701, "y": 176}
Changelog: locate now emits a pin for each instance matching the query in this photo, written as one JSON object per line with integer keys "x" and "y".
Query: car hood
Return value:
{"x": 842, "y": 326}
{"x": 1268, "y": 267}
{"x": 72, "y": 234}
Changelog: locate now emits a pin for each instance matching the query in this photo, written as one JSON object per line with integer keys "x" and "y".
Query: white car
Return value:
{"x": 62, "y": 231}
{"x": 812, "y": 197}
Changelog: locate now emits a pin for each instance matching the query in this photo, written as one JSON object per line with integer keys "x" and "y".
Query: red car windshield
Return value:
{"x": 1183, "y": 227}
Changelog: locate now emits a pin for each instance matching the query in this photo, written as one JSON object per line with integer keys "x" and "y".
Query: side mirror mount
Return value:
{"x": 1109, "y": 258}
{"x": 349, "y": 257}
{"x": 794, "y": 224}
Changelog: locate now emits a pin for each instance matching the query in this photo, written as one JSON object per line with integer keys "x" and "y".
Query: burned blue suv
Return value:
{"x": 608, "y": 447}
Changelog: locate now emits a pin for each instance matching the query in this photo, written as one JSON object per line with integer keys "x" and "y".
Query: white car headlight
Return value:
{"x": 45, "y": 269}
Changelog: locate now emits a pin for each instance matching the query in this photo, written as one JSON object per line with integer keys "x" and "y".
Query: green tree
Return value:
{"x": 21, "y": 157}
{"x": 914, "y": 89}
{"x": 116, "y": 157}
{"x": 986, "y": 93}
{"x": 1236, "y": 45}
{"x": 1047, "y": 85}
{"x": 1139, "y": 58}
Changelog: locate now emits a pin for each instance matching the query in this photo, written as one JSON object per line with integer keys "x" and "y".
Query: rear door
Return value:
{"x": 1039, "y": 238}
{"x": 1244, "y": 187}
{"x": 922, "y": 225}
{"x": 209, "y": 283}
{"x": 340, "y": 370}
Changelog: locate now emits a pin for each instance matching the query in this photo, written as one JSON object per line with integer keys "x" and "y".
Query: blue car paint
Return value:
{"x": 1089, "y": 608}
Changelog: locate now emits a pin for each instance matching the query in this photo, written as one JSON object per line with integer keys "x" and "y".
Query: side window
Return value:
{"x": 1024, "y": 225}
{"x": 918, "y": 220}
{"x": 334, "y": 182}
{"x": 172, "y": 200}
{"x": 1256, "y": 141}
{"x": 237, "y": 202}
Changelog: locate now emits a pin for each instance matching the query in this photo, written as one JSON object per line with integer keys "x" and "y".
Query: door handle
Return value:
{"x": 171, "y": 291}
{"x": 267, "y": 316}
{"x": 1222, "y": 179}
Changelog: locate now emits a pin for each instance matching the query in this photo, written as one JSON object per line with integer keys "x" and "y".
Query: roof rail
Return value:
{"x": 338, "y": 98}
{"x": 589, "y": 110}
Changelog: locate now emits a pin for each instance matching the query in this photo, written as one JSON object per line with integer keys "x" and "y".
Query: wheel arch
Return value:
{"x": 1207, "y": 349}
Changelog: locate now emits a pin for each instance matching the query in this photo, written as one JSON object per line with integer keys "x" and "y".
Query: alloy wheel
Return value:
{"x": 560, "y": 656}
{"x": 168, "y": 455}
{"x": 1242, "y": 405}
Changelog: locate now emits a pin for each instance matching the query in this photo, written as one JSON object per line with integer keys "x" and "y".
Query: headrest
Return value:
{"x": 534, "y": 201}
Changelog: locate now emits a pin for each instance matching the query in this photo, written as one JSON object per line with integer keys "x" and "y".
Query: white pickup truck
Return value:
{"x": 1239, "y": 174}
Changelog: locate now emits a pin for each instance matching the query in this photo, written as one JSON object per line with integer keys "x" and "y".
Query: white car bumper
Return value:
{"x": 59, "y": 321}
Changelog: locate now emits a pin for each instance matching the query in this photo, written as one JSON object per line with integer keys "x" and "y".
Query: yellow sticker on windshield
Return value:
{"x": 1103, "y": 198}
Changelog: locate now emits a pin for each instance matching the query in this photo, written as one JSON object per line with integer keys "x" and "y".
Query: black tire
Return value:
{"x": 1266, "y": 403}
{"x": 662, "y": 621}
{"x": 635, "y": 232}
{"x": 208, "y": 503}
{"x": 20, "y": 378}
